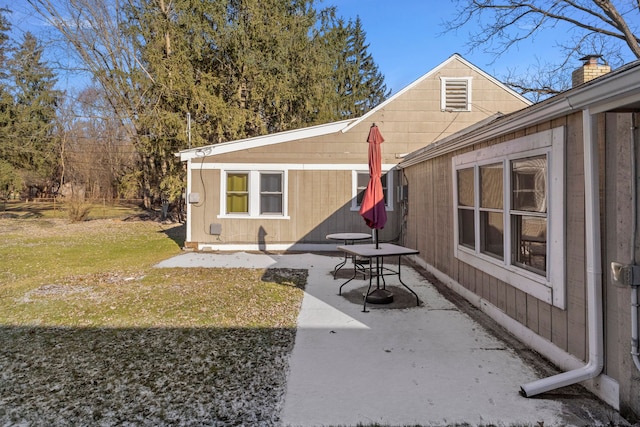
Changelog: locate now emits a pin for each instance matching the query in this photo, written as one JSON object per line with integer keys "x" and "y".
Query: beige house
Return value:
{"x": 525, "y": 216}
{"x": 287, "y": 191}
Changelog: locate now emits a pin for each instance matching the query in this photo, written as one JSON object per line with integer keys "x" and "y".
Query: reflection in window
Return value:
{"x": 271, "y": 193}
{"x": 529, "y": 183}
{"x": 466, "y": 215}
{"x": 528, "y": 215}
{"x": 465, "y": 187}
{"x": 530, "y": 242}
{"x": 491, "y": 213}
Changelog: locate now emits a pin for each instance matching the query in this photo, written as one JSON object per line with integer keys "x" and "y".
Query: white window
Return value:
{"x": 253, "y": 194}
{"x": 509, "y": 209}
{"x": 455, "y": 93}
{"x": 271, "y": 193}
{"x": 360, "y": 181}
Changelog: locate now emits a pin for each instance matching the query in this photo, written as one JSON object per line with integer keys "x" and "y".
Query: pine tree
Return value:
{"x": 239, "y": 68}
{"x": 33, "y": 146}
{"x": 359, "y": 82}
{"x": 9, "y": 178}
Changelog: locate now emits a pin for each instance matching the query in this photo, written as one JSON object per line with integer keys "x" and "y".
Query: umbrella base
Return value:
{"x": 380, "y": 296}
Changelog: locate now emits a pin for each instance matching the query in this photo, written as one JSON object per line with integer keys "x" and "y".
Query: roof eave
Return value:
{"x": 261, "y": 141}
{"x": 601, "y": 95}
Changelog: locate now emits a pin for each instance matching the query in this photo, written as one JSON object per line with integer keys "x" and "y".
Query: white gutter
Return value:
{"x": 594, "y": 273}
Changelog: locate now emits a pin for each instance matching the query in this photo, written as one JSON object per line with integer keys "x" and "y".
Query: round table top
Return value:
{"x": 348, "y": 236}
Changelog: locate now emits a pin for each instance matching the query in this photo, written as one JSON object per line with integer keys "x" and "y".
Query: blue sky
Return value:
{"x": 404, "y": 37}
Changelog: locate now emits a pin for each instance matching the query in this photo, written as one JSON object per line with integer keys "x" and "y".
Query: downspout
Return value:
{"x": 634, "y": 327}
{"x": 635, "y": 306}
{"x": 594, "y": 273}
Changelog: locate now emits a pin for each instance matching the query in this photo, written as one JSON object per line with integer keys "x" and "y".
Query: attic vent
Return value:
{"x": 456, "y": 94}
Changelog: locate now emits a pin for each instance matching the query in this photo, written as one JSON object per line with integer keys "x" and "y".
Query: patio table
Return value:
{"x": 378, "y": 252}
{"x": 346, "y": 239}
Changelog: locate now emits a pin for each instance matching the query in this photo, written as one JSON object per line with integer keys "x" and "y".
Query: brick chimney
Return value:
{"x": 589, "y": 71}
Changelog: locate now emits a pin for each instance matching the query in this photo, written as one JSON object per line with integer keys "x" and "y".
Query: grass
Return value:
{"x": 48, "y": 210}
{"x": 93, "y": 334}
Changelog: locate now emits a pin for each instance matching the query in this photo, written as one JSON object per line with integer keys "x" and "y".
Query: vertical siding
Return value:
{"x": 619, "y": 200}
{"x": 319, "y": 204}
{"x": 430, "y": 227}
{"x": 575, "y": 240}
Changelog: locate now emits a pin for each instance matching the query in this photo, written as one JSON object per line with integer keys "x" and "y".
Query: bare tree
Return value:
{"x": 96, "y": 152}
{"x": 96, "y": 33}
{"x": 601, "y": 27}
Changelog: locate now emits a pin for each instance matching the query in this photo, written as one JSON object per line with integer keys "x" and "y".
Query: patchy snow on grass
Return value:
{"x": 219, "y": 356}
{"x": 148, "y": 377}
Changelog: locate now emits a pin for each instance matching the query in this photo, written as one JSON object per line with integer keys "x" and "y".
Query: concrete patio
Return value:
{"x": 401, "y": 364}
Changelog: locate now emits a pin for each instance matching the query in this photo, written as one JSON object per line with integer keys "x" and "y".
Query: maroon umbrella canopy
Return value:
{"x": 373, "y": 208}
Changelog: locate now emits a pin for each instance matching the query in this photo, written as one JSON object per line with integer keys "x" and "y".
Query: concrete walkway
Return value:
{"x": 426, "y": 365}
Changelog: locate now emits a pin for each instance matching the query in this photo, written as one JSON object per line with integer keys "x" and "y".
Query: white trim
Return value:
{"x": 188, "y": 234}
{"x": 296, "y": 247}
{"x": 550, "y": 289}
{"x": 287, "y": 166}
{"x": 254, "y": 195}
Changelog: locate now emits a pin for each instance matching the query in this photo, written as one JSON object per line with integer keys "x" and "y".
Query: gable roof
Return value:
{"x": 617, "y": 89}
{"x": 329, "y": 128}
{"x": 454, "y": 57}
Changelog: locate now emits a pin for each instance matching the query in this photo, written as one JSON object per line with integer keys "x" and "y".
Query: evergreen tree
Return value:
{"x": 238, "y": 68}
{"x": 9, "y": 177}
{"x": 33, "y": 148}
{"x": 360, "y": 84}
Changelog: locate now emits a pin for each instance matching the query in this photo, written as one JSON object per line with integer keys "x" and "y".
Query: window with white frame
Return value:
{"x": 455, "y": 93}
{"x": 271, "y": 193}
{"x": 360, "y": 181}
{"x": 506, "y": 212}
{"x": 253, "y": 194}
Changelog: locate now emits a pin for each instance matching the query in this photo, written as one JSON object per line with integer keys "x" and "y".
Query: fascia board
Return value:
{"x": 261, "y": 141}
{"x": 503, "y": 125}
{"x": 608, "y": 93}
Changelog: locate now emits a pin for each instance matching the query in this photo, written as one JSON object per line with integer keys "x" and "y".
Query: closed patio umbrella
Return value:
{"x": 373, "y": 208}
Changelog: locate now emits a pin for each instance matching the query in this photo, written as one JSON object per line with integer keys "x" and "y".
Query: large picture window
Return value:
{"x": 505, "y": 210}
{"x": 254, "y": 194}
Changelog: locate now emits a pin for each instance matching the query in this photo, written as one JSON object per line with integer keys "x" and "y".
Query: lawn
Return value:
{"x": 93, "y": 334}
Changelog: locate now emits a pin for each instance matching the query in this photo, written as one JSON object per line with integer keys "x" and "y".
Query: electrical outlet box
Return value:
{"x": 625, "y": 275}
{"x": 194, "y": 197}
{"x": 215, "y": 229}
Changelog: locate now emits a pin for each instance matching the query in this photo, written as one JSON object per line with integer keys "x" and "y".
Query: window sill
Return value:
{"x": 239, "y": 216}
{"x": 530, "y": 283}
{"x": 357, "y": 209}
